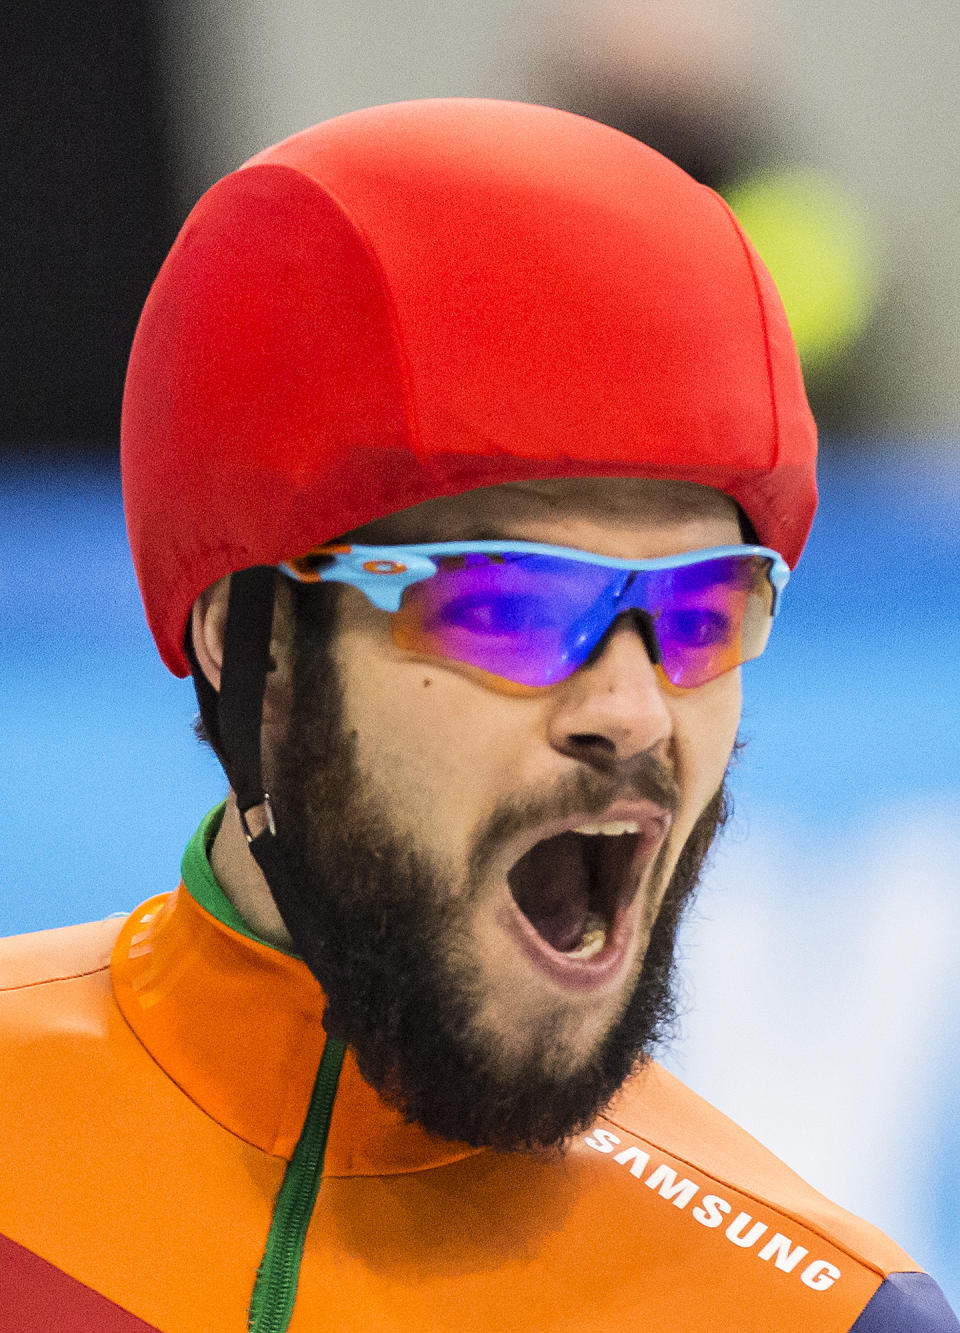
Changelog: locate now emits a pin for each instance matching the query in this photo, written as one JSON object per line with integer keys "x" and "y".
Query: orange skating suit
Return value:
{"x": 159, "y": 1074}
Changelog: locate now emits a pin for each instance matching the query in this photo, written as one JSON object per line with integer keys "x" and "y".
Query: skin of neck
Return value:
{"x": 242, "y": 881}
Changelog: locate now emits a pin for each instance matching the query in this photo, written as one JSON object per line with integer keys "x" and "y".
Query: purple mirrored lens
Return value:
{"x": 508, "y": 614}
{"x": 534, "y": 619}
{"x": 709, "y": 616}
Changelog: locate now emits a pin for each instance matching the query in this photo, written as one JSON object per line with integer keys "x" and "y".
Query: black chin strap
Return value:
{"x": 243, "y": 677}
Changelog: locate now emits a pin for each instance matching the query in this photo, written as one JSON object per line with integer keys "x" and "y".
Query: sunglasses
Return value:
{"x": 529, "y": 615}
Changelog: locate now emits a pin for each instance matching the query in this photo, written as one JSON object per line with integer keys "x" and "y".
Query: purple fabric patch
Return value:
{"x": 908, "y": 1303}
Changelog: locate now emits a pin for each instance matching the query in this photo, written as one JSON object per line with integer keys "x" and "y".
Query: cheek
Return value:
{"x": 432, "y": 746}
{"x": 705, "y": 729}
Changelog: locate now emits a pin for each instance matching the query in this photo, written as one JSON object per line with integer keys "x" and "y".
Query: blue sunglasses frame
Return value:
{"x": 383, "y": 573}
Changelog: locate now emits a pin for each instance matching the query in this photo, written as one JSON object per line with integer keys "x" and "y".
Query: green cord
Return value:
{"x": 275, "y": 1290}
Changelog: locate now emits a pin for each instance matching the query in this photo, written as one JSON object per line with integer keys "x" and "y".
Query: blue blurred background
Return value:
{"x": 821, "y": 994}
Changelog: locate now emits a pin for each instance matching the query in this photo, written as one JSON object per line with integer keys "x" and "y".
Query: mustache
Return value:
{"x": 587, "y": 791}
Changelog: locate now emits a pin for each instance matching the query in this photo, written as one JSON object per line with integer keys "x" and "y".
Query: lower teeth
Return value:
{"x": 594, "y": 938}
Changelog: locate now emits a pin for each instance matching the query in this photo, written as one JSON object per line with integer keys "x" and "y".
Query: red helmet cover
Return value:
{"x": 423, "y": 298}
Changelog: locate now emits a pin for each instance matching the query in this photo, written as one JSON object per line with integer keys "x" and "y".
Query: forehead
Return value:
{"x": 606, "y": 507}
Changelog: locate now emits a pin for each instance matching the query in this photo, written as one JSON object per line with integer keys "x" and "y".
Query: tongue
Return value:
{"x": 551, "y": 885}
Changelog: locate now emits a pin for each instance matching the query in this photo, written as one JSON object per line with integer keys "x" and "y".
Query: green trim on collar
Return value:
{"x": 203, "y": 886}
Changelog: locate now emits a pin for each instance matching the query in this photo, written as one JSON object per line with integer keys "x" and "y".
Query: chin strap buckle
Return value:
{"x": 264, "y": 820}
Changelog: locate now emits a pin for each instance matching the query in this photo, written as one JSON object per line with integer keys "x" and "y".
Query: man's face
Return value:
{"x": 488, "y": 871}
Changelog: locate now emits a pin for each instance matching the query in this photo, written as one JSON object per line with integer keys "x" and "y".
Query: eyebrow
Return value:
{"x": 470, "y": 533}
{"x": 485, "y": 533}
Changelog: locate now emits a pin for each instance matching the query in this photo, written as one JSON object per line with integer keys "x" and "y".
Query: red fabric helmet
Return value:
{"x": 419, "y": 299}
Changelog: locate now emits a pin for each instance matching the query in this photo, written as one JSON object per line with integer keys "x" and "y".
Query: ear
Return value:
{"x": 208, "y": 623}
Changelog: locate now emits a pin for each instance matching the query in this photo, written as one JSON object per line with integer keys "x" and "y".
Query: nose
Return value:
{"x": 613, "y": 708}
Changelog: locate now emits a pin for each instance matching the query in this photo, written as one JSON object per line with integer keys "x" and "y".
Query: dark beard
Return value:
{"x": 379, "y": 929}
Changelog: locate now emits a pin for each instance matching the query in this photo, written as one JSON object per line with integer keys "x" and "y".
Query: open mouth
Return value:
{"x": 573, "y": 886}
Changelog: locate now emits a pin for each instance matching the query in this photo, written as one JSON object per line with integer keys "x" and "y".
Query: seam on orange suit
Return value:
{"x": 45, "y": 981}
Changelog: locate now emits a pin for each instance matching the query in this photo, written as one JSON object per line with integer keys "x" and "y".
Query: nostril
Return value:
{"x": 589, "y": 741}
{"x": 592, "y": 750}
